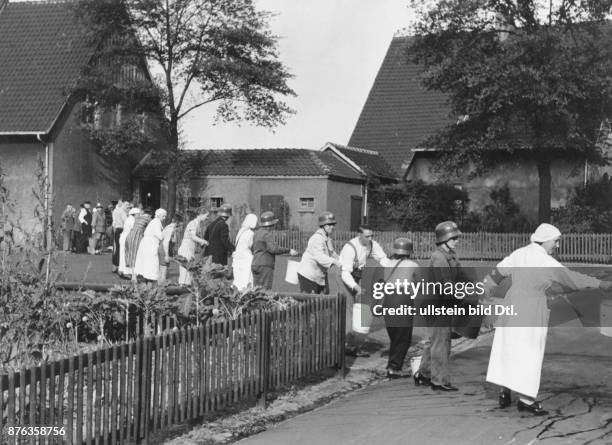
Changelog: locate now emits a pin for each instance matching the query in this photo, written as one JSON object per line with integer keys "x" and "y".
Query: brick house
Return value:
{"x": 399, "y": 114}
{"x": 296, "y": 184}
{"x": 42, "y": 53}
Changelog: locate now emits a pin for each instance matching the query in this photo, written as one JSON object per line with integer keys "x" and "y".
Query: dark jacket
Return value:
{"x": 219, "y": 244}
{"x": 265, "y": 248}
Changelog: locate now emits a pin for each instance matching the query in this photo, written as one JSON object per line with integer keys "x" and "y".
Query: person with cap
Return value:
{"x": 399, "y": 327}
{"x": 98, "y": 227}
{"x": 123, "y": 270}
{"x": 318, "y": 257}
{"x": 242, "y": 258}
{"x": 443, "y": 268}
{"x": 187, "y": 248}
{"x": 520, "y": 339}
{"x": 265, "y": 250}
{"x": 353, "y": 258}
{"x": 147, "y": 263}
{"x": 217, "y": 234}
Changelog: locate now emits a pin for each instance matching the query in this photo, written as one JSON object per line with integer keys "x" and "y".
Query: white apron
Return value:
{"x": 127, "y": 226}
{"x": 187, "y": 250}
{"x": 520, "y": 340}
{"x": 147, "y": 257}
{"x": 242, "y": 258}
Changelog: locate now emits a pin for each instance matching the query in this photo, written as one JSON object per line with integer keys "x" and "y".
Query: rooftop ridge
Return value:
{"x": 357, "y": 149}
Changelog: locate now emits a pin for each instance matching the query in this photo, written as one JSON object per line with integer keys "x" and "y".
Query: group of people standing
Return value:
{"x": 518, "y": 347}
{"x": 86, "y": 230}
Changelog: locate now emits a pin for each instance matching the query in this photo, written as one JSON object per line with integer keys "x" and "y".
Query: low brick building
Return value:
{"x": 296, "y": 184}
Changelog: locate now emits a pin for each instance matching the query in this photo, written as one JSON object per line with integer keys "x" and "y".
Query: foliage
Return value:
{"x": 589, "y": 208}
{"x": 501, "y": 215}
{"x": 524, "y": 77}
{"x": 415, "y": 205}
{"x": 207, "y": 51}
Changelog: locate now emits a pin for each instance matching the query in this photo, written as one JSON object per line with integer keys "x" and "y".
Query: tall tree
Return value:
{"x": 523, "y": 77}
{"x": 200, "y": 52}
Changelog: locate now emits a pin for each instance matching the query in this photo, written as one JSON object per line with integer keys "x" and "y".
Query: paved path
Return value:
{"x": 576, "y": 388}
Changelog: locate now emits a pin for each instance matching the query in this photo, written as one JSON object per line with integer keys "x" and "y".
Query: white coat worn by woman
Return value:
{"x": 519, "y": 342}
{"x": 188, "y": 246}
{"x": 127, "y": 227}
{"x": 243, "y": 255}
{"x": 147, "y": 257}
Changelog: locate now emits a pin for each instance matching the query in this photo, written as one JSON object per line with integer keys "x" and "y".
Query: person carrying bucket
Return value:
{"x": 318, "y": 258}
{"x": 265, "y": 250}
{"x": 353, "y": 257}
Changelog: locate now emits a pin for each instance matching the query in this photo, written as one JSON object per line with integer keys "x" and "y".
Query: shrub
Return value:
{"x": 415, "y": 205}
{"x": 589, "y": 208}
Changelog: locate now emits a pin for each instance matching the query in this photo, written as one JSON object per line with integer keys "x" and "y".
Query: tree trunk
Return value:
{"x": 172, "y": 173}
{"x": 545, "y": 180}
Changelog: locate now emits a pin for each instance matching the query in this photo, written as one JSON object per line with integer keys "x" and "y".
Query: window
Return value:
{"x": 215, "y": 203}
{"x": 306, "y": 205}
{"x": 193, "y": 202}
{"x": 91, "y": 114}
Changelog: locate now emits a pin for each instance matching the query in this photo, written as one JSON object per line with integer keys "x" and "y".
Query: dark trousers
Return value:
{"x": 308, "y": 286}
{"x": 436, "y": 355}
{"x": 263, "y": 276}
{"x": 400, "y": 337}
{"x": 116, "y": 235}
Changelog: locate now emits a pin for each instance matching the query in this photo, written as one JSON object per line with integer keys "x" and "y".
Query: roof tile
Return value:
{"x": 256, "y": 162}
{"x": 398, "y": 112}
{"x": 42, "y": 52}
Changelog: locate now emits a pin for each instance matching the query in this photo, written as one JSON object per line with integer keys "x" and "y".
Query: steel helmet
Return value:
{"x": 267, "y": 219}
{"x": 326, "y": 218}
{"x": 446, "y": 230}
{"x": 402, "y": 246}
{"x": 225, "y": 210}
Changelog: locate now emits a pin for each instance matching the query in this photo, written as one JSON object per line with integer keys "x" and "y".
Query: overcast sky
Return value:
{"x": 334, "y": 49}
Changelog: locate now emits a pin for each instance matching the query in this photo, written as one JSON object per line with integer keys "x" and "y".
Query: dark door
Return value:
{"x": 276, "y": 205}
{"x": 356, "y": 212}
{"x": 150, "y": 194}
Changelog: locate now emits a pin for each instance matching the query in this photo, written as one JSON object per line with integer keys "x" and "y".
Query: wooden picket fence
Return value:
{"x": 579, "y": 247}
{"x": 127, "y": 392}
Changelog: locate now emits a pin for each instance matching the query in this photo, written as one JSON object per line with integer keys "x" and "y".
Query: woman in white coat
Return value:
{"x": 124, "y": 271}
{"x": 147, "y": 256}
{"x": 188, "y": 245}
{"x": 243, "y": 255}
{"x": 519, "y": 342}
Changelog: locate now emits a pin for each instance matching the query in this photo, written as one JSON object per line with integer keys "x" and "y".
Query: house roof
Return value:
{"x": 399, "y": 113}
{"x": 369, "y": 161}
{"x": 256, "y": 162}
{"x": 42, "y": 52}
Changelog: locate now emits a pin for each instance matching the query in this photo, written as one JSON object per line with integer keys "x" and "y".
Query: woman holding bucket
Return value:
{"x": 518, "y": 345}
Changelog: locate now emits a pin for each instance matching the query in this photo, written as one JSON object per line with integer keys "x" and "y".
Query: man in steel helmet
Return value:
{"x": 219, "y": 246}
{"x": 443, "y": 268}
{"x": 265, "y": 250}
{"x": 399, "y": 327}
{"x": 318, "y": 257}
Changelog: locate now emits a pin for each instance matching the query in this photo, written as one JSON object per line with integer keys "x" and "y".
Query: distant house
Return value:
{"x": 296, "y": 184}
{"x": 43, "y": 51}
{"x": 399, "y": 114}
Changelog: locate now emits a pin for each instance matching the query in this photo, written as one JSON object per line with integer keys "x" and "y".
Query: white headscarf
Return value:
{"x": 249, "y": 223}
{"x": 160, "y": 213}
{"x": 545, "y": 232}
{"x": 134, "y": 211}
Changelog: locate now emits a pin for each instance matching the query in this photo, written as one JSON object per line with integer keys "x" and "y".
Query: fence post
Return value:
{"x": 265, "y": 357}
{"x": 341, "y": 359}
